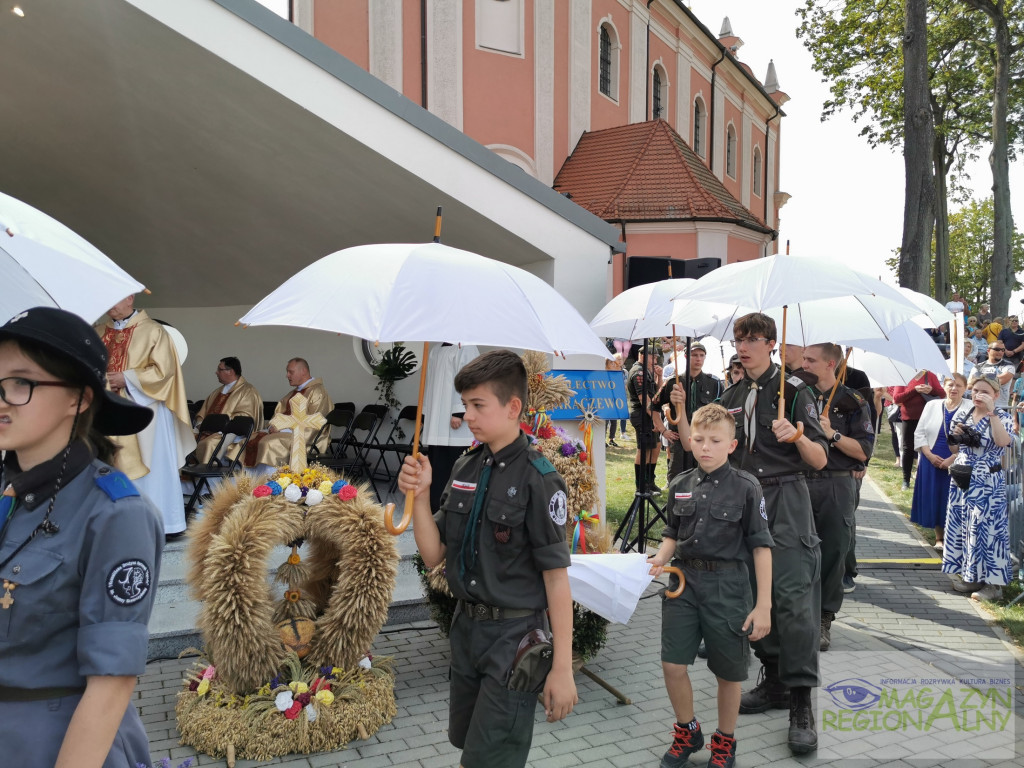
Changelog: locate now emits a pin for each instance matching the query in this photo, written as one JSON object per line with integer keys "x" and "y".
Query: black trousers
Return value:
{"x": 908, "y": 454}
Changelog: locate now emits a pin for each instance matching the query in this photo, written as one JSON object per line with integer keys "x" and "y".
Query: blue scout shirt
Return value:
{"x": 83, "y": 595}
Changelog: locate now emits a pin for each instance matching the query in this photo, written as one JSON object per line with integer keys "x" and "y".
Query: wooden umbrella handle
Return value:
{"x": 682, "y": 581}
{"x": 674, "y": 420}
{"x": 389, "y": 510}
{"x": 782, "y": 381}
{"x": 840, "y": 376}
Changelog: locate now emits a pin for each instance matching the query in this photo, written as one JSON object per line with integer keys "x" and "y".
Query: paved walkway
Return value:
{"x": 894, "y": 610}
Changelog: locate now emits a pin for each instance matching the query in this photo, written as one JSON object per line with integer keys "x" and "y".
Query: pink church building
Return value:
{"x": 633, "y": 109}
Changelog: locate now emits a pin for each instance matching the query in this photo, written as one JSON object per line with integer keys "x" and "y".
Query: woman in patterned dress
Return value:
{"x": 977, "y": 545}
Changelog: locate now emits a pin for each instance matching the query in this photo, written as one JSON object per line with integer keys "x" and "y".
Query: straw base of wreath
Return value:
{"x": 264, "y": 735}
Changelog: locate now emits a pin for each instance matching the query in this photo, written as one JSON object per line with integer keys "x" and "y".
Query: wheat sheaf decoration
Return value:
{"x": 287, "y": 661}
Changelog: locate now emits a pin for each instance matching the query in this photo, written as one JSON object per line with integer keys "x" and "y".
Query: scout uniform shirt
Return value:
{"x": 635, "y": 385}
{"x": 850, "y": 416}
{"x": 704, "y": 390}
{"x": 84, "y": 593}
{"x": 716, "y": 516}
{"x": 754, "y": 406}
{"x": 502, "y": 521}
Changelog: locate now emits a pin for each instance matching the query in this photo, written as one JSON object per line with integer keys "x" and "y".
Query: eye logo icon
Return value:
{"x": 854, "y": 694}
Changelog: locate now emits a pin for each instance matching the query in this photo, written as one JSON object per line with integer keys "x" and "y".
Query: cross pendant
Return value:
{"x": 7, "y": 600}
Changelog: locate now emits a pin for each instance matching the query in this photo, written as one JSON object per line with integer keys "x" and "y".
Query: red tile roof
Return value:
{"x": 646, "y": 172}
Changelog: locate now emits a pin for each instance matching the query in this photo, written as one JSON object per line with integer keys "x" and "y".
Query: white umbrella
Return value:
{"x": 611, "y": 585}
{"x": 427, "y": 292}
{"x": 932, "y": 314}
{"x": 646, "y": 310}
{"x": 825, "y": 300}
{"x": 896, "y": 360}
{"x": 46, "y": 264}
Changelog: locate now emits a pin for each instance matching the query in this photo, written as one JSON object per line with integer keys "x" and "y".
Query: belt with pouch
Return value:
{"x": 780, "y": 479}
{"x": 826, "y": 473}
{"x": 38, "y": 694}
{"x": 483, "y": 612}
{"x": 699, "y": 564}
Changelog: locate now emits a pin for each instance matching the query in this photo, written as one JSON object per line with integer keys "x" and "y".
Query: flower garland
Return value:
{"x": 310, "y": 486}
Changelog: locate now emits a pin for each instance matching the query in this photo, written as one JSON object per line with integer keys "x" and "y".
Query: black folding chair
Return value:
{"x": 340, "y": 418}
{"x": 269, "y": 406}
{"x": 219, "y": 466}
{"x": 362, "y": 433}
{"x": 398, "y": 442}
{"x": 211, "y": 425}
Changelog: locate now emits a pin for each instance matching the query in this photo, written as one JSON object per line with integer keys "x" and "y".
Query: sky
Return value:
{"x": 847, "y": 199}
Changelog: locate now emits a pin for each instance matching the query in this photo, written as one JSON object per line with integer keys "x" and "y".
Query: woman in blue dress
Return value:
{"x": 931, "y": 489}
{"x": 977, "y": 546}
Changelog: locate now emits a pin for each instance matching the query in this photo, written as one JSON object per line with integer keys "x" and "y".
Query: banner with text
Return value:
{"x": 603, "y": 392}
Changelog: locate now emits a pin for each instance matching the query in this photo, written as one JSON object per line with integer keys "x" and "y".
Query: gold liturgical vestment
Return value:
{"x": 241, "y": 400}
{"x": 144, "y": 351}
{"x": 275, "y": 448}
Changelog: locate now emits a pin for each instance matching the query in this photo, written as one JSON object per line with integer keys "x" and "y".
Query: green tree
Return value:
{"x": 858, "y": 47}
{"x": 971, "y": 248}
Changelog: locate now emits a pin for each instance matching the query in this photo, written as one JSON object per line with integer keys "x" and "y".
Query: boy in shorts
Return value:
{"x": 501, "y": 531}
{"x": 716, "y": 521}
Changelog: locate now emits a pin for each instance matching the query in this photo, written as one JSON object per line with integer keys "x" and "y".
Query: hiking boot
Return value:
{"x": 827, "y": 617}
{"x": 702, "y": 650}
{"x": 684, "y": 743}
{"x": 988, "y": 592}
{"x": 723, "y": 751}
{"x": 966, "y": 587}
{"x": 849, "y": 584}
{"x": 803, "y": 737}
{"x": 769, "y": 693}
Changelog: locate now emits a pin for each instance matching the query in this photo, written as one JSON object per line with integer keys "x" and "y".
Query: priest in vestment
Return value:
{"x": 271, "y": 449}
{"x": 234, "y": 397}
{"x": 143, "y": 366}
{"x": 444, "y": 430}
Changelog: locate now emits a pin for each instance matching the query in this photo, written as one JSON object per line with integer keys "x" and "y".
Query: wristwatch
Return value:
{"x": 836, "y": 437}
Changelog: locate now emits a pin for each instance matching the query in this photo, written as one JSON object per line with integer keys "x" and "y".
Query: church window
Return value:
{"x": 758, "y": 171}
{"x": 699, "y": 118}
{"x": 730, "y": 151}
{"x": 608, "y": 61}
{"x": 659, "y": 94}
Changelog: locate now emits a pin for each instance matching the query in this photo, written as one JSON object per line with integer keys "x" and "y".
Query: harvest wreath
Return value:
{"x": 291, "y": 671}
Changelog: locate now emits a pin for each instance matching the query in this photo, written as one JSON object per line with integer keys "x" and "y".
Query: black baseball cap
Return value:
{"x": 70, "y": 336}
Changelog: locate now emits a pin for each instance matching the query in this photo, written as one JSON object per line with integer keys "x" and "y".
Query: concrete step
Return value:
{"x": 172, "y": 626}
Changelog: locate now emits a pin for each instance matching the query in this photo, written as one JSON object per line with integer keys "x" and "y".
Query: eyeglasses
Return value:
{"x": 15, "y": 390}
{"x": 747, "y": 340}
{"x": 998, "y": 349}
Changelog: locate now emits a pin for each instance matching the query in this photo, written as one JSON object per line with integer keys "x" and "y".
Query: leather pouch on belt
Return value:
{"x": 532, "y": 662}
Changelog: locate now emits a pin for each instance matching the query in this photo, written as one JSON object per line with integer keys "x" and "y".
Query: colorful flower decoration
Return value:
{"x": 298, "y": 686}
{"x": 261, "y": 490}
{"x": 325, "y": 697}
{"x": 313, "y": 497}
{"x": 293, "y": 492}
{"x": 275, "y": 488}
{"x": 283, "y": 701}
{"x": 348, "y": 493}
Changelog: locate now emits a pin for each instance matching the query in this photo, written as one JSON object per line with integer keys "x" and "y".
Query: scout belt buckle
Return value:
{"x": 532, "y": 662}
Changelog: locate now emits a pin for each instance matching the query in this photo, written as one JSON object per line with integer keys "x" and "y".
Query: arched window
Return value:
{"x": 659, "y": 93}
{"x": 699, "y": 118}
{"x": 608, "y": 60}
{"x": 730, "y": 151}
{"x": 758, "y": 171}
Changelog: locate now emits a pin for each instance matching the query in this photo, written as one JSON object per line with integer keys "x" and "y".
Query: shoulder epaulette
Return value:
{"x": 542, "y": 465}
{"x": 115, "y": 484}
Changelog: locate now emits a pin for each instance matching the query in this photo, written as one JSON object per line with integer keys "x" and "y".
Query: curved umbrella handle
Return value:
{"x": 682, "y": 581}
{"x": 798, "y": 435}
{"x": 389, "y": 513}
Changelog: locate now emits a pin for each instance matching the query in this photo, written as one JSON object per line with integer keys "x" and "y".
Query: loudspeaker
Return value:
{"x": 641, "y": 270}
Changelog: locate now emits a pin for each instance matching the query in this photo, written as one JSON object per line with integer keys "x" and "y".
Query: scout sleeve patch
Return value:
{"x": 812, "y": 412}
{"x": 462, "y": 485}
{"x": 558, "y": 508}
{"x": 734, "y": 411}
{"x": 129, "y": 582}
{"x": 684, "y": 496}
{"x": 116, "y": 485}
{"x": 764, "y": 512}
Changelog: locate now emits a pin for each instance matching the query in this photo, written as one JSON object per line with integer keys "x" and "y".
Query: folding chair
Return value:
{"x": 401, "y": 430}
{"x": 269, "y": 406}
{"x": 362, "y": 433}
{"x": 212, "y": 424}
{"x": 340, "y": 418}
{"x": 219, "y": 466}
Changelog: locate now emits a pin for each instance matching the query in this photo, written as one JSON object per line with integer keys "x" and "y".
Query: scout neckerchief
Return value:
{"x": 467, "y": 557}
